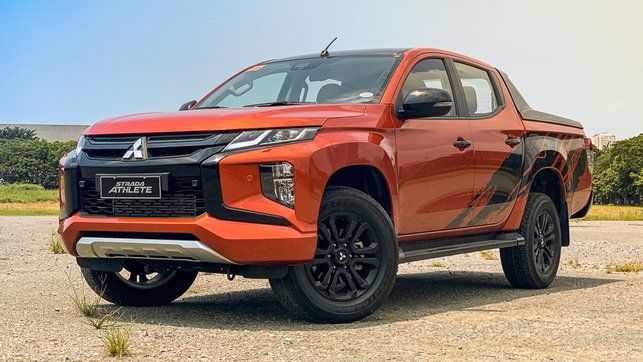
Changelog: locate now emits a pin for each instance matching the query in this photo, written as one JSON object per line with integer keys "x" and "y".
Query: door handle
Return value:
{"x": 461, "y": 143}
{"x": 513, "y": 141}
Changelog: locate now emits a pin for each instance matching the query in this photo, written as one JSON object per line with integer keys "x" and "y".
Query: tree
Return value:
{"x": 16, "y": 133}
{"x": 32, "y": 161}
{"x": 618, "y": 173}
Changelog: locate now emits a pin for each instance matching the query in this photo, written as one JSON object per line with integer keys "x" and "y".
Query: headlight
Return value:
{"x": 278, "y": 182}
{"x": 250, "y": 139}
{"x": 79, "y": 146}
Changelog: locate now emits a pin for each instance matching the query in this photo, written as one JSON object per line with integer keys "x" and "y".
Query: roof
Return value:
{"x": 345, "y": 53}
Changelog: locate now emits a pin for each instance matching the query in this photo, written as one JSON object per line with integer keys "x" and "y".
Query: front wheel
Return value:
{"x": 534, "y": 265}
{"x": 354, "y": 266}
{"x": 137, "y": 285}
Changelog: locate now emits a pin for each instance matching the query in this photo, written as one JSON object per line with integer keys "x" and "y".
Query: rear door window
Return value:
{"x": 478, "y": 89}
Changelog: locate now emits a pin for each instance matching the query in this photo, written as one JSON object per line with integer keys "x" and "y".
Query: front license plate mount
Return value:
{"x": 130, "y": 187}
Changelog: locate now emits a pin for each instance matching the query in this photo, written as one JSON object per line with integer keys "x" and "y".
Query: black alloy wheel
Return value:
{"x": 543, "y": 248}
{"x": 534, "y": 265}
{"x": 354, "y": 264}
{"x": 347, "y": 259}
{"x": 142, "y": 276}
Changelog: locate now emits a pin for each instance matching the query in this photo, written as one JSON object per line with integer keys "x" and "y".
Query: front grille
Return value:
{"x": 183, "y": 199}
{"x": 158, "y": 146}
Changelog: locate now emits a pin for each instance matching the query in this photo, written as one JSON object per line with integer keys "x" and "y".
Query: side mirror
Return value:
{"x": 426, "y": 102}
{"x": 186, "y": 106}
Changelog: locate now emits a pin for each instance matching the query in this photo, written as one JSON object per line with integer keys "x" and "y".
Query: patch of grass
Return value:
{"x": 109, "y": 320}
{"x": 488, "y": 255}
{"x": 26, "y": 194}
{"x": 86, "y": 305}
{"x": 54, "y": 244}
{"x": 116, "y": 342}
{"x": 438, "y": 264}
{"x": 33, "y": 209}
{"x": 574, "y": 262}
{"x": 625, "y": 267}
{"x": 614, "y": 213}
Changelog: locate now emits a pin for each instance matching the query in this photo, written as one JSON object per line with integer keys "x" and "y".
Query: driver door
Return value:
{"x": 435, "y": 164}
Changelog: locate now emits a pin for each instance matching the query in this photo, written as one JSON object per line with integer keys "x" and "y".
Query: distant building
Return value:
{"x": 603, "y": 140}
{"x": 53, "y": 132}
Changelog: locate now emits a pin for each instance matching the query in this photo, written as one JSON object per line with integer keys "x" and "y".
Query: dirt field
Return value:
{"x": 465, "y": 310}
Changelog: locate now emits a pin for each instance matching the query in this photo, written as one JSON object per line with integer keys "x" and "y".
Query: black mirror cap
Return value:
{"x": 426, "y": 102}
{"x": 187, "y": 105}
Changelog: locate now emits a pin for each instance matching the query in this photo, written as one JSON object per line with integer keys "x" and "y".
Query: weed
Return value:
{"x": 438, "y": 264}
{"x": 54, "y": 244}
{"x": 105, "y": 321}
{"x": 116, "y": 342}
{"x": 487, "y": 255}
{"x": 574, "y": 262}
{"x": 625, "y": 267}
{"x": 87, "y": 306}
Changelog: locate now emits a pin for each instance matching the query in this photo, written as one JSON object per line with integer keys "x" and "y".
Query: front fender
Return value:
{"x": 314, "y": 163}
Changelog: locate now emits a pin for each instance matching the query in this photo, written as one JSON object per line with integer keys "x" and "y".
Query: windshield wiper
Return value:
{"x": 273, "y": 104}
{"x": 211, "y": 107}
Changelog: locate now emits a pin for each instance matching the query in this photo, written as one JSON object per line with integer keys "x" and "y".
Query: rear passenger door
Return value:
{"x": 497, "y": 133}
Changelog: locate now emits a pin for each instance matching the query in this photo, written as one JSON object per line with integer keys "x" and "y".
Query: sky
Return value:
{"x": 77, "y": 62}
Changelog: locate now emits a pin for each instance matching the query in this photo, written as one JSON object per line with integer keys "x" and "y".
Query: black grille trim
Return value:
{"x": 158, "y": 146}
{"x": 183, "y": 199}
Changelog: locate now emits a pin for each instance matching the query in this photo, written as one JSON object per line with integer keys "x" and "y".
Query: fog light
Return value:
{"x": 278, "y": 182}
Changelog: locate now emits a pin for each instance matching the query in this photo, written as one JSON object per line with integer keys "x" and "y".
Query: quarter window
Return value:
{"x": 428, "y": 73}
{"x": 478, "y": 89}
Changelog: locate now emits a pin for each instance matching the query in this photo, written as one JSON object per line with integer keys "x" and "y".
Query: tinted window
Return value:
{"x": 428, "y": 73}
{"x": 478, "y": 89}
{"x": 341, "y": 79}
{"x": 259, "y": 93}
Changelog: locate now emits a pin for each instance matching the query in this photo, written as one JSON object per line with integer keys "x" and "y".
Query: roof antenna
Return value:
{"x": 324, "y": 52}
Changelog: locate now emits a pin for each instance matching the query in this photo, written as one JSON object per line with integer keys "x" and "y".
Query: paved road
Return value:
{"x": 465, "y": 310}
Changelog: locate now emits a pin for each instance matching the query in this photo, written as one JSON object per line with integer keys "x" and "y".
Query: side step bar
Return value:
{"x": 446, "y": 247}
{"x": 155, "y": 249}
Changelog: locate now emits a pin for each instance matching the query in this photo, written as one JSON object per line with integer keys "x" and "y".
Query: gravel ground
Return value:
{"x": 465, "y": 310}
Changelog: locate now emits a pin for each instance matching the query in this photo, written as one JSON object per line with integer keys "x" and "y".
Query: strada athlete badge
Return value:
{"x": 130, "y": 187}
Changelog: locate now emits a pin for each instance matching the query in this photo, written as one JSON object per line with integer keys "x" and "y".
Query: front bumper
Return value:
{"x": 238, "y": 242}
{"x": 240, "y": 225}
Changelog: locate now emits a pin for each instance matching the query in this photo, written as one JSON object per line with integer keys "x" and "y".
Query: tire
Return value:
{"x": 160, "y": 289}
{"x": 534, "y": 265}
{"x": 357, "y": 237}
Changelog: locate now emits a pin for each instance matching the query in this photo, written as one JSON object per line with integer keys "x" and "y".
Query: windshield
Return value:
{"x": 334, "y": 80}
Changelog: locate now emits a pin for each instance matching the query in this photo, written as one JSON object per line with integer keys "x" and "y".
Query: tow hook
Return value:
{"x": 230, "y": 275}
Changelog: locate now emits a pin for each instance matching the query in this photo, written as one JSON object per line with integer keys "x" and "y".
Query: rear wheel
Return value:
{"x": 534, "y": 265}
{"x": 354, "y": 266}
{"x": 137, "y": 285}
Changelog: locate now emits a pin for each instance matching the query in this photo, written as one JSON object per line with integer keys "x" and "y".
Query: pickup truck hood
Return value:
{"x": 207, "y": 120}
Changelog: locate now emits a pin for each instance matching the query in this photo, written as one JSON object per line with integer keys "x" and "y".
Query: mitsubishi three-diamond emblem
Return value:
{"x": 138, "y": 151}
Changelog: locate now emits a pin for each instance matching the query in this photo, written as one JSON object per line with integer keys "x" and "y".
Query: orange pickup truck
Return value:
{"x": 322, "y": 173}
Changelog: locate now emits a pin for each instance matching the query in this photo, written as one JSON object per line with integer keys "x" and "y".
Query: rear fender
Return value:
{"x": 564, "y": 154}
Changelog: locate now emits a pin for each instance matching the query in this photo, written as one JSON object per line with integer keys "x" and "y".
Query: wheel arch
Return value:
{"x": 365, "y": 163}
{"x": 366, "y": 178}
{"x": 549, "y": 181}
